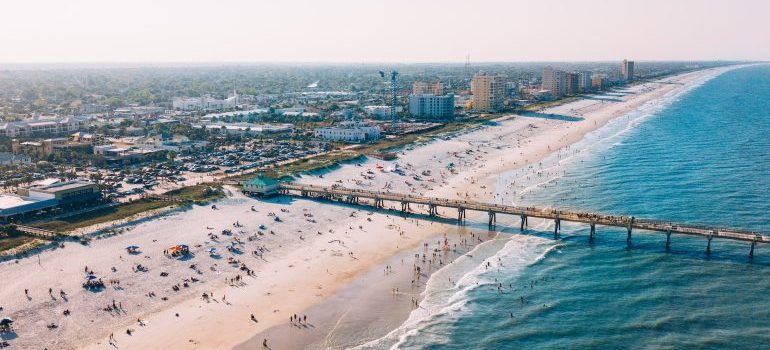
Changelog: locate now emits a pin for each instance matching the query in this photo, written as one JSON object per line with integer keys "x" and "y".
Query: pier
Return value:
{"x": 629, "y": 223}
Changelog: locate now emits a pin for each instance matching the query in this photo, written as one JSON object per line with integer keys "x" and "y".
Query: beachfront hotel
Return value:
{"x": 554, "y": 81}
{"x": 488, "y": 92}
{"x": 432, "y": 106}
{"x": 627, "y": 70}
{"x": 352, "y": 131}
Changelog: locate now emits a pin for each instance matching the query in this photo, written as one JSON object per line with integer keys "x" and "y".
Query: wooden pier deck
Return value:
{"x": 630, "y": 223}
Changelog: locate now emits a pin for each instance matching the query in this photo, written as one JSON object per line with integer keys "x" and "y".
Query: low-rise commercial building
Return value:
{"x": 42, "y": 126}
{"x": 245, "y": 128}
{"x": 349, "y": 131}
{"x": 205, "y": 103}
{"x": 47, "y": 195}
{"x": 261, "y": 186}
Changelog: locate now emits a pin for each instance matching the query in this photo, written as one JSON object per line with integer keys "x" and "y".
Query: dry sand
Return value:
{"x": 307, "y": 261}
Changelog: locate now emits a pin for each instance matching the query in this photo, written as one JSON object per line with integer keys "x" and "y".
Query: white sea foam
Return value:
{"x": 443, "y": 301}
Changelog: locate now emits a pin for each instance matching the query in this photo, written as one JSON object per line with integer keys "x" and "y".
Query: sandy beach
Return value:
{"x": 339, "y": 265}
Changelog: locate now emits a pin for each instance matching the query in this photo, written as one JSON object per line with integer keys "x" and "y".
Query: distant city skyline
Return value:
{"x": 348, "y": 31}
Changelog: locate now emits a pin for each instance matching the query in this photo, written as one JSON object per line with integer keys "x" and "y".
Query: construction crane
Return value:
{"x": 393, "y": 75}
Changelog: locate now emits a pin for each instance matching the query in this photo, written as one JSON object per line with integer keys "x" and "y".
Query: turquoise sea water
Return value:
{"x": 700, "y": 157}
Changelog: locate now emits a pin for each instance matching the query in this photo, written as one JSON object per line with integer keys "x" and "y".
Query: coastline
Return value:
{"x": 371, "y": 330}
{"x": 305, "y": 273}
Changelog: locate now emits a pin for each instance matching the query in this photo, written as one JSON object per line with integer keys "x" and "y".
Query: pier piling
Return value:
{"x": 492, "y": 220}
{"x": 523, "y": 222}
{"x": 708, "y": 246}
{"x": 668, "y": 239}
{"x": 630, "y": 225}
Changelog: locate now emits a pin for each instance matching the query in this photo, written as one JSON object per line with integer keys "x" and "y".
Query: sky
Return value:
{"x": 362, "y": 31}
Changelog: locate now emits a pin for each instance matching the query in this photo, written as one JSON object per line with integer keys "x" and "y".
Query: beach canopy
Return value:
{"x": 179, "y": 248}
{"x": 212, "y": 250}
{"x": 132, "y": 247}
{"x": 6, "y": 321}
{"x": 90, "y": 277}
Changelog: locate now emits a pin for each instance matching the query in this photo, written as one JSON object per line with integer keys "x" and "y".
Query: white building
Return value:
{"x": 584, "y": 82}
{"x": 245, "y": 128}
{"x": 349, "y": 131}
{"x": 377, "y": 111}
{"x": 432, "y": 106}
{"x": 8, "y": 158}
{"x": 205, "y": 103}
{"x": 40, "y": 126}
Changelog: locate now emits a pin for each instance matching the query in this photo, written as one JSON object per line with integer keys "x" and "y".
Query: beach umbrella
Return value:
{"x": 90, "y": 277}
{"x": 212, "y": 250}
{"x": 184, "y": 246}
{"x": 6, "y": 321}
{"x": 132, "y": 247}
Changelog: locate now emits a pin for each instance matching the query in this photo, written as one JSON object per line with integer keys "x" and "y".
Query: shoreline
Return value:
{"x": 294, "y": 339}
{"x": 310, "y": 259}
{"x": 332, "y": 304}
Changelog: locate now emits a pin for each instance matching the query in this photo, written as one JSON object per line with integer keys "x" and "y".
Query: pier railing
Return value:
{"x": 377, "y": 198}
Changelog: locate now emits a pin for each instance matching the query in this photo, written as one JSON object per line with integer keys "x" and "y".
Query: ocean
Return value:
{"x": 701, "y": 155}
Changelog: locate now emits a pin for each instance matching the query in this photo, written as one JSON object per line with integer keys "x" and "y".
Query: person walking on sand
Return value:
{"x": 264, "y": 343}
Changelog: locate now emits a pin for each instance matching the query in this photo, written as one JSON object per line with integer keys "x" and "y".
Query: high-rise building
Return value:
{"x": 584, "y": 81}
{"x": 427, "y": 88}
{"x": 554, "y": 81}
{"x": 597, "y": 82}
{"x": 488, "y": 92}
{"x": 432, "y": 106}
{"x": 573, "y": 83}
{"x": 627, "y": 70}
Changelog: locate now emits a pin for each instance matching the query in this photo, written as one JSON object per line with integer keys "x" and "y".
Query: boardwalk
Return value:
{"x": 38, "y": 232}
{"x": 630, "y": 223}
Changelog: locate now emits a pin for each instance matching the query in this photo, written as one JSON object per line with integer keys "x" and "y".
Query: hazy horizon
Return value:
{"x": 345, "y": 31}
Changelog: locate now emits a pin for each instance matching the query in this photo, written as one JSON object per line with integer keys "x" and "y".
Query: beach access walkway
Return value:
{"x": 378, "y": 198}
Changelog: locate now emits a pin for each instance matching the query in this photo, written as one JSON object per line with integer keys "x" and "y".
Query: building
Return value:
{"x": 572, "y": 83}
{"x": 349, "y": 131}
{"x": 488, "y": 92}
{"x": 8, "y": 158}
{"x": 432, "y": 106}
{"x": 627, "y": 70}
{"x": 42, "y": 126}
{"x": 46, "y": 196}
{"x": 427, "y": 88}
{"x": 584, "y": 81}
{"x": 205, "y": 103}
{"x": 381, "y": 112}
{"x": 261, "y": 186}
{"x": 114, "y": 153}
{"x": 245, "y": 128}
{"x": 555, "y": 81}
{"x": 43, "y": 149}
{"x": 64, "y": 192}
{"x": 598, "y": 82}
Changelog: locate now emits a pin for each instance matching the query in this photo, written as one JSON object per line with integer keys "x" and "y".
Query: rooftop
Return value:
{"x": 11, "y": 201}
